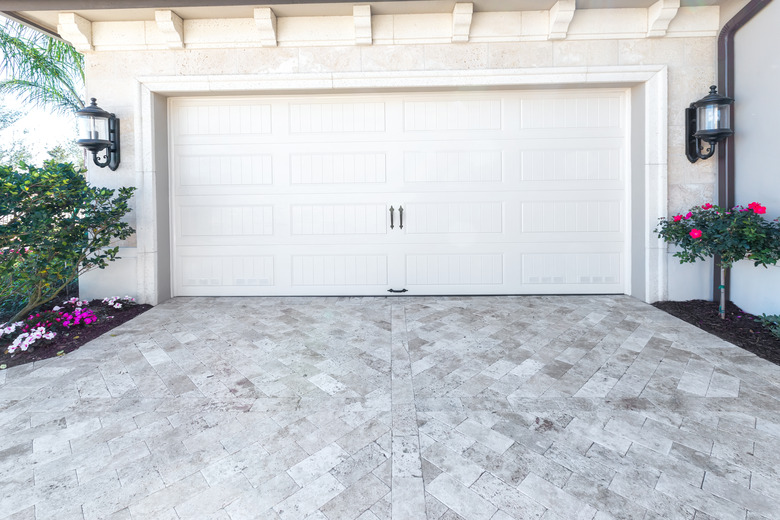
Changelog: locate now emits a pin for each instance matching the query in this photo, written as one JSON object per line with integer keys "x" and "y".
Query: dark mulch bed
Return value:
{"x": 70, "y": 340}
{"x": 740, "y": 328}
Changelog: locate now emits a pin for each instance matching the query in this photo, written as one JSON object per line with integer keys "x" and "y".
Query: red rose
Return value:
{"x": 695, "y": 233}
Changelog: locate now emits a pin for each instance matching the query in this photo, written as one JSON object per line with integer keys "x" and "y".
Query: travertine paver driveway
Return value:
{"x": 438, "y": 408}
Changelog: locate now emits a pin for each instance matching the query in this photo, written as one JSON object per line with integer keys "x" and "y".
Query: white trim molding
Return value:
{"x": 659, "y": 16}
{"x": 265, "y": 19}
{"x": 76, "y": 30}
{"x": 653, "y": 79}
{"x": 561, "y": 15}
{"x": 461, "y": 21}
{"x": 364, "y": 26}
{"x": 362, "y": 16}
{"x": 172, "y": 26}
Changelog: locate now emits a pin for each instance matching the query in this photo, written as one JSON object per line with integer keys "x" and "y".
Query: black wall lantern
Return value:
{"x": 708, "y": 120}
{"x": 98, "y": 131}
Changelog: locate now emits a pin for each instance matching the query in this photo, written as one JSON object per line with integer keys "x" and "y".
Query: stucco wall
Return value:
{"x": 125, "y": 54}
{"x": 757, "y": 171}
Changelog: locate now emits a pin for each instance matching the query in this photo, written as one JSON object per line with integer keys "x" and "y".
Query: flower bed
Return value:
{"x": 752, "y": 333}
{"x": 63, "y": 328}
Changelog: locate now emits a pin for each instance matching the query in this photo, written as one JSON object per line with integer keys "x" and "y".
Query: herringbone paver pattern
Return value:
{"x": 406, "y": 408}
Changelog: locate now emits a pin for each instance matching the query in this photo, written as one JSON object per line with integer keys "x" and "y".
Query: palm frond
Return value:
{"x": 39, "y": 69}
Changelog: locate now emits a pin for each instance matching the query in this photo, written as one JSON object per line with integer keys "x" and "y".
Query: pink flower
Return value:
{"x": 678, "y": 218}
{"x": 757, "y": 208}
{"x": 695, "y": 233}
{"x": 688, "y": 215}
{"x": 707, "y": 206}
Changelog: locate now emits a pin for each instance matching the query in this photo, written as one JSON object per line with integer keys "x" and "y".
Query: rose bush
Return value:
{"x": 732, "y": 235}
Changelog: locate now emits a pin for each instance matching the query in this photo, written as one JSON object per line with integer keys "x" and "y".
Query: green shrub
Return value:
{"x": 54, "y": 226}
{"x": 772, "y": 322}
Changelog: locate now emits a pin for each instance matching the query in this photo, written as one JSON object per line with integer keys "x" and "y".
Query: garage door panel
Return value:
{"x": 567, "y": 216}
{"x": 338, "y": 168}
{"x": 589, "y": 113}
{"x": 503, "y": 192}
{"x": 575, "y": 164}
{"x": 224, "y": 169}
{"x": 222, "y": 117}
{"x": 454, "y": 166}
{"x": 455, "y": 269}
{"x": 591, "y": 269}
{"x": 335, "y": 117}
{"x": 335, "y": 270}
{"x": 237, "y": 270}
{"x": 454, "y": 217}
{"x": 465, "y": 115}
{"x": 338, "y": 219}
{"x": 225, "y": 221}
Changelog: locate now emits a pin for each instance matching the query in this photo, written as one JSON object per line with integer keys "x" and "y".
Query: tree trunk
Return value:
{"x": 722, "y": 287}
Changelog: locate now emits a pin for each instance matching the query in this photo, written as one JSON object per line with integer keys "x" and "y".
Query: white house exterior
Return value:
{"x": 532, "y": 144}
{"x": 757, "y": 173}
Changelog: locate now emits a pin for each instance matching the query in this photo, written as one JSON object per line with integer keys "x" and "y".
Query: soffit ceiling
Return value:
{"x": 44, "y": 13}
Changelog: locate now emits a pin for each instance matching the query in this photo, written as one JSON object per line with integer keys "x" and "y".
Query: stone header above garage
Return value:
{"x": 372, "y": 23}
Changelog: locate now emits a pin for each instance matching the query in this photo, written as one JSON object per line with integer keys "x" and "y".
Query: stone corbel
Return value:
{"x": 362, "y": 16}
{"x": 265, "y": 19}
{"x": 75, "y": 30}
{"x": 461, "y": 21}
{"x": 560, "y": 18}
{"x": 171, "y": 25}
{"x": 659, "y": 15}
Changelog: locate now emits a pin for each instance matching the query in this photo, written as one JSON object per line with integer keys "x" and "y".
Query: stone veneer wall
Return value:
{"x": 124, "y": 53}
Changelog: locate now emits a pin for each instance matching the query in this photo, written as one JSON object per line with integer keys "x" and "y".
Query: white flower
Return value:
{"x": 117, "y": 305}
{"x": 10, "y": 328}
{"x": 56, "y": 308}
{"x": 19, "y": 342}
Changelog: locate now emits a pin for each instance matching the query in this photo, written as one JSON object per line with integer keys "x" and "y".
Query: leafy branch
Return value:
{"x": 40, "y": 70}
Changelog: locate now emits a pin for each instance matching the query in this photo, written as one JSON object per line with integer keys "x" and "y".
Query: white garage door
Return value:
{"x": 436, "y": 193}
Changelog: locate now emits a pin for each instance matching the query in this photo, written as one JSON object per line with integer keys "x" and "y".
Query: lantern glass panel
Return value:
{"x": 712, "y": 117}
{"x": 93, "y": 128}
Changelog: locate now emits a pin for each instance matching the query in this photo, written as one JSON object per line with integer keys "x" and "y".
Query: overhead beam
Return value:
{"x": 659, "y": 15}
{"x": 171, "y": 25}
{"x": 265, "y": 19}
{"x": 461, "y": 21}
{"x": 560, "y": 18}
{"x": 75, "y": 30}
{"x": 31, "y": 24}
{"x": 362, "y": 17}
{"x": 59, "y": 5}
